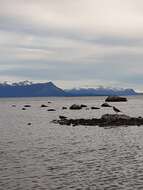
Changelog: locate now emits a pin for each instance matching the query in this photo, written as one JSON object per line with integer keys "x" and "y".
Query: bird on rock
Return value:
{"x": 116, "y": 109}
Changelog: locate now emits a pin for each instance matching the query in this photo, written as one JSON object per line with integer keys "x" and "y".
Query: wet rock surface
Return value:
{"x": 64, "y": 108}
{"x": 44, "y": 106}
{"x": 95, "y": 108}
{"x": 106, "y": 120}
{"x": 76, "y": 107}
{"x": 27, "y": 106}
{"x": 23, "y": 108}
{"x": 51, "y": 110}
{"x": 115, "y": 99}
{"x": 106, "y": 105}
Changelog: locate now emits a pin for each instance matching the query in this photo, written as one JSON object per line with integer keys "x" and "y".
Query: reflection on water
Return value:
{"x": 48, "y": 156}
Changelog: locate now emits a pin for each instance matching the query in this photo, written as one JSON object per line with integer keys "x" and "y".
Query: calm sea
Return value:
{"x": 46, "y": 156}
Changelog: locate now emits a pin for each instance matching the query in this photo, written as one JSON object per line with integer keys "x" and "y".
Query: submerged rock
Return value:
{"x": 75, "y": 107}
{"x": 27, "y": 106}
{"x": 44, "y": 106}
{"x": 64, "y": 108}
{"x": 95, "y": 108}
{"x": 106, "y": 105}
{"x": 83, "y": 105}
{"x": 23, "y": 108}
{"x": 115, "y": 99}
{"x": 62, "y": 117}
{"x": 114, "y": 117}
{"x": 51, "y": 110}
{"x": 106, "y": 120}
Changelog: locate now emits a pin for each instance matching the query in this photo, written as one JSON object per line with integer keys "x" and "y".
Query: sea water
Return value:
{"x": 47, "y": 156}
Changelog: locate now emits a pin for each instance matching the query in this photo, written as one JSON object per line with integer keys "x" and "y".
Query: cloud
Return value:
{"x": 79, "y": 40}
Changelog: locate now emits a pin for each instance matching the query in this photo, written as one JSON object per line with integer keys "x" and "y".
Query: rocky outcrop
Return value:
{"x": 110, "y": 120}
{"x": 44, "y": 106}
{"x": 64, "y": 108}
{"x": 83, "y": 105}
{"x": 62, "y": 117}
{"x": 23, "y": 108}
{"x": 27, "y": 106}
{"x": 51, "y": 110}
{"x": 77, "y": 107}
{"x": 94, "y": 108}
{"x": 116, "y": 99}
{"x": 105, "y": 105}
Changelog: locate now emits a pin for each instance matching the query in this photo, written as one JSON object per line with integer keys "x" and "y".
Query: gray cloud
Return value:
{"x": 95, "y": 41}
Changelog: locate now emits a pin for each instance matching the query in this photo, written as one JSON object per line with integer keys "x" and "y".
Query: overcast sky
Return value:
{"x": 72, "y": 42}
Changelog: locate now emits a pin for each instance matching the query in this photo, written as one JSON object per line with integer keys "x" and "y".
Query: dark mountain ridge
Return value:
{"x": 29, "y": 89}
{"x": 101, "y": 92}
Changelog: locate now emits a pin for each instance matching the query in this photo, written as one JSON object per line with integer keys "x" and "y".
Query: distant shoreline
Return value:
{"x": 49, "y": 89}
{"x": 6, "y": 97}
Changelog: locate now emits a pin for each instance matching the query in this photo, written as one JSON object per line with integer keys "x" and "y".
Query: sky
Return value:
{"x": 74, "y": 43}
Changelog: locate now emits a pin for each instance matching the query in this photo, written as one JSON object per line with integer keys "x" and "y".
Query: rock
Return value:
{"x": 23, "y": 108}
{"x": 107, "y": 120}
{"x": 62, "y": 117}
{"x": 75, "y": 107}
{"x": 27, "y": 106}
{"x": 115, "y": 99}
{"x": 64, "y": 108}
{"x": 44, "y": 106}
{"x": 105, "y": 105}
{"x": 49, "y": 102}
{"x": 29, "y": 123}
{"x": 94, "y": 108}
{"x": 14, "y": 105}
{"x": 51, "y": 110}
{"x": 83, "y": 105}
{"x": 113, "y": 117}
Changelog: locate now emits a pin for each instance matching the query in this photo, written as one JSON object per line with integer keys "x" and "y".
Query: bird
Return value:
{"x": 116, "y": 109}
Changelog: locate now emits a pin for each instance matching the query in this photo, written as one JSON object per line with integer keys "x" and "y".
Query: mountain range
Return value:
{"x": 29, "y": 89}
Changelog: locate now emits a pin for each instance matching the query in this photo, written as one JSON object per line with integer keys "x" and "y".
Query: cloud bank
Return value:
{"x": 73, "y": 43}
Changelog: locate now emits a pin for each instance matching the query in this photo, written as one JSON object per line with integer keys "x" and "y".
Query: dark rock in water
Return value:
{"x": 83, "y": 105}
{"x": 105, "y": 105}
{"x": 95, "y": 108}
{"x": 64, "y": 108}
{"x": 27, "y": 106}
{"x": 62, "y": 117}
{"x": 51, "y": 110}
{"x": 114, "y": 117}
{"x": 14, "y": 105}
{"x": 75, "y": 107}
{"x": 44, "y": 106}
{"x": 116, "y": 99}
{"x": 113, "y": 120}
{"x": 29, "y": 123}
{"x": 23, "y": 108}
{"x": 49, "y": 102}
